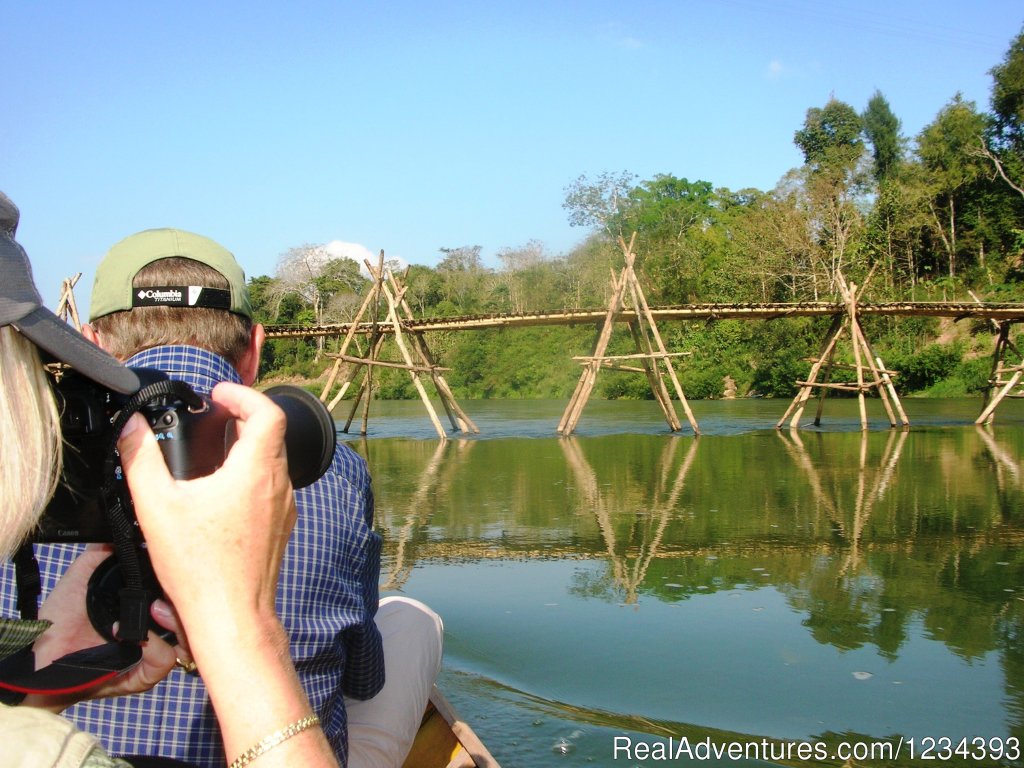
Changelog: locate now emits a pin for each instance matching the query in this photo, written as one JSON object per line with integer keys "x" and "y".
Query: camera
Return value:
{"x": 194, "y": 434}
{"x": 92, "y": 504}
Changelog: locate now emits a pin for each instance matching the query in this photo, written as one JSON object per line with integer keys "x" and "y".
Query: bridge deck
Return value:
{"x": 957, "y": 310}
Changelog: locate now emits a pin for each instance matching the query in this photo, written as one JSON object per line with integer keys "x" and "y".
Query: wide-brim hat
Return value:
{"x": 21, "y": 306}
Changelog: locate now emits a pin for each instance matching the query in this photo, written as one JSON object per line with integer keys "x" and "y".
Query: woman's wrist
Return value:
{"x": 228, "y": 664}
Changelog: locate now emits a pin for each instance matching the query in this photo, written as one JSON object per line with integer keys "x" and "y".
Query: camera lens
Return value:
{"x": 310, "y": 436}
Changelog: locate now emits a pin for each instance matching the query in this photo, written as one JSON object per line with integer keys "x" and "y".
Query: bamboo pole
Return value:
{"x": 851, "y": 298}
{"x": 372, "y": 296}
{"x": 869, "y": 355}
{"x": 997, "y": 365}
{"x": 355, "y": 403}
{"x": 864, "y": 360}
{"x": 999, "y": 369}
{"x": 364, "y": 385}
{"x": 374, "y": 348}
{"x": 364, "y": 426}
{"x": 830, "y": 366}
{"x": 637, "y": 356}
{"x": 387, "y": 287}
{"x": 571, "y": 416}
{"x": 418, "y": 346}
{"x": 840, "y": 386}
{"x": 1007, "y": 387}
{"x": 883, "y": 380}
{"x": 385, "y": 363}
{"x": 887, "y": 380}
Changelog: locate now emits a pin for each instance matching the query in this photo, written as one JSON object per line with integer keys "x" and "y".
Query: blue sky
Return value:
{"x": 409, "y": 127}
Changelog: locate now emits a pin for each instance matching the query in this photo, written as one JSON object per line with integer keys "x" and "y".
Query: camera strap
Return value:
{"x": 135, "y": 598}
{"x": 81, "y": 670}
{"x": 29, "y": 584}
{"x": 72, "y": 673}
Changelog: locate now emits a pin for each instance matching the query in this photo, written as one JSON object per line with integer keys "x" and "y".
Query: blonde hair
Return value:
{"x": 217, "y": 330}
{"x": 30, "y": 447}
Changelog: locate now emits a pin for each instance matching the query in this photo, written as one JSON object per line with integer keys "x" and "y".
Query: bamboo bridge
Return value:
{"x": 957, "y": 310}
{"x": 386, "y": 313}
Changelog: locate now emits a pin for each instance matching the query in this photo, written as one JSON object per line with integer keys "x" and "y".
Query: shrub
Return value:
{"x": 923, "y": 369}
{"x": 702, "y": 383}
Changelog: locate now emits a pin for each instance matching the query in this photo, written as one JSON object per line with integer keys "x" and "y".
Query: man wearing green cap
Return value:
{"x": 177, "y": 302}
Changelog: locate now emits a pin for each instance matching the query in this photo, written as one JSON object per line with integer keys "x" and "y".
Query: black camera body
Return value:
{"x": 194, "y": 433}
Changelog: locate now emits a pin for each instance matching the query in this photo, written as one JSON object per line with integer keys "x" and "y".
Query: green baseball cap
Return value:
{"x": 112, "y": 289}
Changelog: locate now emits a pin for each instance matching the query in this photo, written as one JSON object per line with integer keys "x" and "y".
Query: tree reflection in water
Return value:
{"x": 873, "y": 538}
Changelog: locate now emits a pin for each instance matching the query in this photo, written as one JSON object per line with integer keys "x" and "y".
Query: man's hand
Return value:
{"x": 72, "y": 631}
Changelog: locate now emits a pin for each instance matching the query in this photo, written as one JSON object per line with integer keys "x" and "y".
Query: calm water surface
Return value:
{"x": 749, "y": 584}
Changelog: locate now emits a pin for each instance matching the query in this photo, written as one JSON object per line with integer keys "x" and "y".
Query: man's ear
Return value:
{"x": 92, "y": 335}
{"x": 249, "y": 365}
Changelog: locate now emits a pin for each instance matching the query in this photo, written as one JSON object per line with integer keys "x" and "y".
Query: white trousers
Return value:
{"x": 381, "y": 730}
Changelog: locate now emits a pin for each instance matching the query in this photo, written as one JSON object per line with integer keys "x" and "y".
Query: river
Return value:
{"x": 627, "y": 586}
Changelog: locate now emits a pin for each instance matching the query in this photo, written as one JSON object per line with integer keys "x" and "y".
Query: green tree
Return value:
{"x": 1005, "y": 148}
{"x": 463, "y": 279}
{"x": 882, "y": 128}
{"x": 833, "y": 148}
{"x": 894, "y": 225}
{"x": 582, "y": 275}
{"x": 948, "y": 149}
{"x": 674, "y": 220}
{"x": 311, "y": 274}
{"x": 773, "y": 254}
{"x": 525, "y": 278}
{"x": 830, "y": 139}
{"x": 1008, "y": 94}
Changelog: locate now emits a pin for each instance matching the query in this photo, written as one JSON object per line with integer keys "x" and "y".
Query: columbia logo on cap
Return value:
{"x": 172, "y": 296}
{"x": 182, "y": 296}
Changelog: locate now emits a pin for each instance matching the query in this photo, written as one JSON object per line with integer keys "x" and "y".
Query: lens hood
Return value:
{"x": 310, "y": 437}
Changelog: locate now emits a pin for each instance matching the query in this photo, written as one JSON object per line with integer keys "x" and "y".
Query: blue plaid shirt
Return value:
{"x": 327, "y": 598}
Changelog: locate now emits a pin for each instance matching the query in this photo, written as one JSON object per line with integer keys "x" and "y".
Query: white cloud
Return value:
{"x": 342, "y": 250}
{"x": 359, "y": 253}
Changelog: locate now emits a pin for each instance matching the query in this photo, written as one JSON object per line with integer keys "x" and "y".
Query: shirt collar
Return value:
{"x": 197, "y": 367}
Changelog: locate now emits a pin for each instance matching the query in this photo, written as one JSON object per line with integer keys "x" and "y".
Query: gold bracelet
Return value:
{"x": 274, "y": 739}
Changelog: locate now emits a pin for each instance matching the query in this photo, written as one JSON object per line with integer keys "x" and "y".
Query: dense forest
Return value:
{"x": 936, "y": 216}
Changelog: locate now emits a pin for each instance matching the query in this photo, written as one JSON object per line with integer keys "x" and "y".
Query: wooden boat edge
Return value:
{"x": 445, "y": 740}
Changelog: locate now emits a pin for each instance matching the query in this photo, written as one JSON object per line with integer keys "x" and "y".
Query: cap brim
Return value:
{"x": 52, "y": 334}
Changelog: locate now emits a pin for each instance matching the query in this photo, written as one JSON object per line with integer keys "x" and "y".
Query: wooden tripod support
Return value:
{"x": 66, "y": 308}
{"x": 871, "y": 373}
{"x": 1004, "y": 378}
{"x": 416, "y": 356}
{"x": 656, "y": 361}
